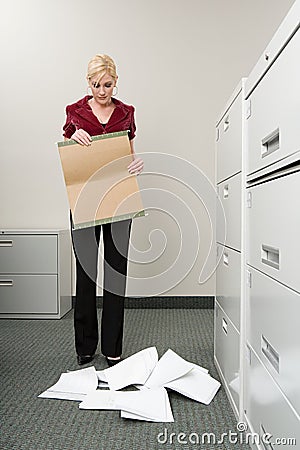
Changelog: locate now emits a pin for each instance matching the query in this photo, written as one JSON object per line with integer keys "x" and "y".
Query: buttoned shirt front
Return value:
{"x": 80, "y": 116}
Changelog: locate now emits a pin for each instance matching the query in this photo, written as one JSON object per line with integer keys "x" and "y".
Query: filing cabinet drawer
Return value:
{"x": 229, "y": 141}
{"x": 274, "y": 223}
{"x": 28, "y": 294}
{"x": 228, "y": 287}
{"x": 227, "y": 351}
{"x": 273, "y": 331}
{"x": 274, "y": 47}
{"x": 28, "y": 253}
{"x": 273, "y": 126}
{"x": 267, "y": 410}
{"x": 229, "y": 192}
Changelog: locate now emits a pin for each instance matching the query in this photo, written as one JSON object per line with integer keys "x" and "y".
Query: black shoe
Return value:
{"x": 84, "y": 359}
{"x": 113, "y": 362}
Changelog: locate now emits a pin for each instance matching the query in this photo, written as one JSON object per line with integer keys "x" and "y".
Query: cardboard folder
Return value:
{"x": 99, "y": 187}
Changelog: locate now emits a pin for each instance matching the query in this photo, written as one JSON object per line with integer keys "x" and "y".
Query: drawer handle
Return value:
{"x": 6, "y": 283}
{"x": 224, "y": 326}
{"x": 270, "y": 353}
{"x": 226, "y": 191}
{"x": 270, "y": 143}
{"x": 270, "y": 256}
{"x": 265, "y": 438}
{"x": 6, "y": 243}
{"x": 225, "y": 259}
{"x": 226, "y": 124}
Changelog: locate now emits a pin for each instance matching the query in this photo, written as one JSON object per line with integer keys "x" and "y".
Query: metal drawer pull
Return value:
{"x": 270, "y": 256}
{"x": 6, "y": 283}
{"x": 225, "y": 259}
{"x": 226, "y": 191}
{"x": 5, "y": 243}
{"x": 224, "y": 326}
{"x": 270, "y": 143}
{"x": 270, "y": 353}
{"x": 265, "y": 437}
{"x": 226, "y": 124}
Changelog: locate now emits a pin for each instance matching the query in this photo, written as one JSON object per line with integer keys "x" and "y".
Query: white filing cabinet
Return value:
{"x": 229, "y": 164}
{"x": 272, "y": 297}
{"x": 35, "y": 273}
{"x": 257, "y": 332}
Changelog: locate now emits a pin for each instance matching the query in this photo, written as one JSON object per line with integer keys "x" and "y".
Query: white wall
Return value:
{"x": 178, "y": 63}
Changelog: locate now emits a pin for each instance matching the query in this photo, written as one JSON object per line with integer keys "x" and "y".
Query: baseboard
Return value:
{"x": 187, "y": 302}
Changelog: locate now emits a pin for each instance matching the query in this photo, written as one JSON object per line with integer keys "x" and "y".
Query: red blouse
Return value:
{"x": 80, "y": 115}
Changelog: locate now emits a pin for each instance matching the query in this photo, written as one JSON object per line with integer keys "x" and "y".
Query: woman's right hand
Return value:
{"x": 82, "y": 137}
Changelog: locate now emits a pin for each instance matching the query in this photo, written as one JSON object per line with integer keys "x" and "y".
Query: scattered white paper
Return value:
{"x": 147, "y": 405}
{"x": 170, "y": 367}
{"x": 73, "y": 385}
{"x": 196, "y": 385}
{"x": 133, "y": 370}
{"x": 150, "y": 376}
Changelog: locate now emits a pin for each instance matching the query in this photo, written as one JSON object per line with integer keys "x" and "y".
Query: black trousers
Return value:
{"x": 86, "y": 244}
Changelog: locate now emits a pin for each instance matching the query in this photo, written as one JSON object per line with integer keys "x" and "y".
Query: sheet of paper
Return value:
{"x": 151, "y": 405}
{"x": 203, "y": 369}
{"x": 235, "y": 384}
{"x": 72, "y": 384}
{"x": 133, "y": 370}
{"x": 169, "y": 367}
{"x": 101, "y": 376}
{"x": 168, "y": 418}
{"x": 99, "y": 187}
{"x": 196, "y": 385}
{"x": 99, "y": 399}
{"x": 63, "y": 396}
{"x": 102, "y": 385}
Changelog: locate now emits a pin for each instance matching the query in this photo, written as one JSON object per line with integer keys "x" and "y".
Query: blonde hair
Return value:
{"x": 100, "y": 65}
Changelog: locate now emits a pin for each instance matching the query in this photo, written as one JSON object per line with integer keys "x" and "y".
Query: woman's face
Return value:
{"x": 102, "y": 90}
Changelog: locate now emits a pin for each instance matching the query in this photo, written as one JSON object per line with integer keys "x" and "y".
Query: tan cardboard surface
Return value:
{"x": 99, "y": 186}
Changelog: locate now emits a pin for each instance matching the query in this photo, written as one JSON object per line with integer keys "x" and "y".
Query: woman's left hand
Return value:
{"x": 136, "y": 166}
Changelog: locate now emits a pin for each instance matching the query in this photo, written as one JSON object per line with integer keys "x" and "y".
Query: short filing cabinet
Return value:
{"x": 35, "y": 273}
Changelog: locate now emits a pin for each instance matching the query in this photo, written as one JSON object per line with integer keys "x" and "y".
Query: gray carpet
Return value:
{"x": 35, "y": 352}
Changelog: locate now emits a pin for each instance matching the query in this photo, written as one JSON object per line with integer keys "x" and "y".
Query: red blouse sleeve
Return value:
{"x": 68, "y": 128}
{"x": 132, "y": 128}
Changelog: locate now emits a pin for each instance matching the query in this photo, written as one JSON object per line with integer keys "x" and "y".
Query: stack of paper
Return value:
{"x": 150, "y": 375}
{"x": 148, "y": 405}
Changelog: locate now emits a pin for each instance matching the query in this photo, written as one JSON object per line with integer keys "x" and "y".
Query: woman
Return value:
{"x": 93, "y": 115}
